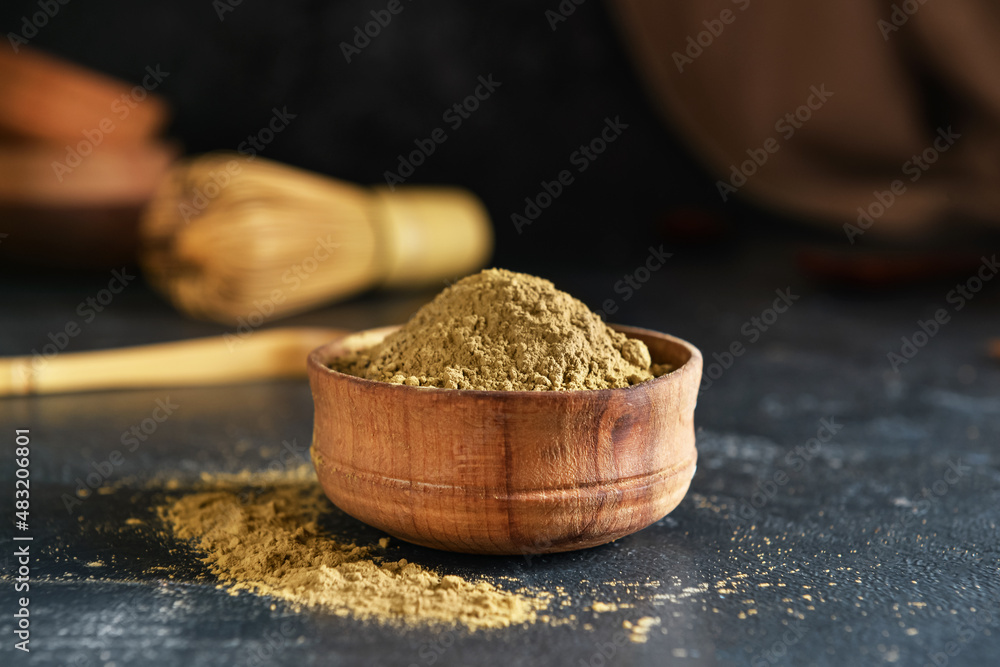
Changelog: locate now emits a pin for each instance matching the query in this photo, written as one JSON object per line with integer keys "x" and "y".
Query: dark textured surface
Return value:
{"x": 846, "y": 563}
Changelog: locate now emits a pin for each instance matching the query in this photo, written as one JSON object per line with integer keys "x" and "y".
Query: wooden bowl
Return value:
{"x": 506, "y": 472}
{"x": 46, "y": 99}
{"x": 85, "y": 218}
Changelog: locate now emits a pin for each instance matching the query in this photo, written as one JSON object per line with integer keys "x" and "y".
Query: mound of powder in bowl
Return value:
{"x": 500, "y": 330}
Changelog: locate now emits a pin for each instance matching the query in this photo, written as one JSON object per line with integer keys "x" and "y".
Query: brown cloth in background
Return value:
{"x": 900, "y": 73}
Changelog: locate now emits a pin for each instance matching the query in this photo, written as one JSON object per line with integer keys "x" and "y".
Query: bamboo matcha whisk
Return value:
{"x": 226, "y": 238}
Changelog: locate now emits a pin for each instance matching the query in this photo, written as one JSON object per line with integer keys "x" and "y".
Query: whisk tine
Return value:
{"x": 224, "y": 235}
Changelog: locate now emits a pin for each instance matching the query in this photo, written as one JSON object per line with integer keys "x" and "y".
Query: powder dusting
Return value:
{"x": 271, "y": 544}
{"x": 639, "y": 630}
{"x": 500, "y": 330}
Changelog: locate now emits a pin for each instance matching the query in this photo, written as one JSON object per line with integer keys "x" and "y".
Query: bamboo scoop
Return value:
{"x": 264, "y": 355}
{"x": 227, "y": 238}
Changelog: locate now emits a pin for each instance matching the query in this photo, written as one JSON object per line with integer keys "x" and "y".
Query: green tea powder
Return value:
{"x": 500, "y": 330}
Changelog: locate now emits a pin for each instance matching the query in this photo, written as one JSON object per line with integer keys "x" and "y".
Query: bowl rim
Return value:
{"x": 316, "y": 365}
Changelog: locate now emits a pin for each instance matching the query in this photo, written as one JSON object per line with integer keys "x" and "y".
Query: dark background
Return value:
{"x": 354, "y": 119}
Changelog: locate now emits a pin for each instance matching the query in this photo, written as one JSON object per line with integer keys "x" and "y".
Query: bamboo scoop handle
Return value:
{"x": 264, "y": 355}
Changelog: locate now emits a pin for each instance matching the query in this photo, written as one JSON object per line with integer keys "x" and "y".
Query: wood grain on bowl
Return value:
{"x": 506, "y": 472}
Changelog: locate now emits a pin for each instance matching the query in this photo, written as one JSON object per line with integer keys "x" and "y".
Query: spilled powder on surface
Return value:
{"x": 639, "y": 630}
{"x": 271, "y": 545}
{"x": 500, "y": 330}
